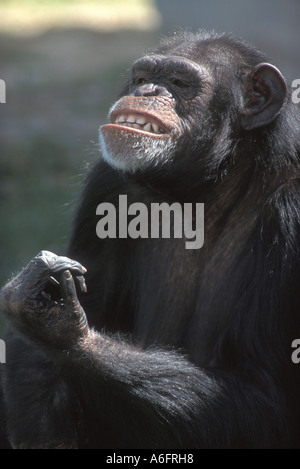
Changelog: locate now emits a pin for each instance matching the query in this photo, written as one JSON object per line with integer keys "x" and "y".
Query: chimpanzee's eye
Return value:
{"x": 140, "y": 80}
{"x": 179, "y": 83}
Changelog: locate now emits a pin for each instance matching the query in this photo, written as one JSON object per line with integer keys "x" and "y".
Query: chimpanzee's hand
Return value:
{"x": 42, "y": 301}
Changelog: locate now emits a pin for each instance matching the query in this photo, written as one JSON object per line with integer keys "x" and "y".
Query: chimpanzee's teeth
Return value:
{"x": 138, "y": 122}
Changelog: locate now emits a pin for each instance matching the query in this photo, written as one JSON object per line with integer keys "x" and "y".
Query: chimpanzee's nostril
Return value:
{"x": 151, "y": 89}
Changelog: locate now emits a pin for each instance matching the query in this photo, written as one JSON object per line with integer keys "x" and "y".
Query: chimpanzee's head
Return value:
{"x": 190, "y": 104}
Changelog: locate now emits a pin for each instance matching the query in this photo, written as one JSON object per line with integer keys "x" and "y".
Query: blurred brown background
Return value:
{"x": 62, "y": 62}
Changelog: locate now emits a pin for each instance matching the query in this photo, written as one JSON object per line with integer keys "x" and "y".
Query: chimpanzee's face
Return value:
{"x": 184, "y": 112}
{"x": 156, "y": 111}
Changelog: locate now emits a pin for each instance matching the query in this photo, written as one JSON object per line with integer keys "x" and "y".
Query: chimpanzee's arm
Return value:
{"x": 127, "y": 389}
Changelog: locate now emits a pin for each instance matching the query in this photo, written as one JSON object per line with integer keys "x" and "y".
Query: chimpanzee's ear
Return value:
{"x": 265, "y": 94}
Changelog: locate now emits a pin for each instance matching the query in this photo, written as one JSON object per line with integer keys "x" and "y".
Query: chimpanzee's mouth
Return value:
{"x": 140, "y": 122}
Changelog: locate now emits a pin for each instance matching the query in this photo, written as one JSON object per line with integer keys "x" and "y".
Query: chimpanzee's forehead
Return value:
{"x": 223, "y": 51}
{"x": 209, "y": 54}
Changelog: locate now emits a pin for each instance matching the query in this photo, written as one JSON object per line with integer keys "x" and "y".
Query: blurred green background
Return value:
{"x": 62, "y": 62}
{"x": 60, "y": 83}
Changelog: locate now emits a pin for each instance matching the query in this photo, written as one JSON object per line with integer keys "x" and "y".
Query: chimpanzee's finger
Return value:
{"x": 68, "y": 289}
{"x": 45, "y": 265}
{"x": 53, "y": 263}
{"x": 80, "y": 282}
{"x": 54, "y": 281}
{"x": 71, "y": 304}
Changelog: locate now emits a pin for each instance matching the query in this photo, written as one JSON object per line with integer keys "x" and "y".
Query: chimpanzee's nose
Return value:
{"x": 151, "y": 89}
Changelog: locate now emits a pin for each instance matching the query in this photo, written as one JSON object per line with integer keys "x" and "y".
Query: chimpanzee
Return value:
{"x": 169, "y": 345}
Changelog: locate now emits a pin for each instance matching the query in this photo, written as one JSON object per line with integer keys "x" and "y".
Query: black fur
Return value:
{"x": 194, "y": 349}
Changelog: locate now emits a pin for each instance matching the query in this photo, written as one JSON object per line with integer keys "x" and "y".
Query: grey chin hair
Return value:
{"x": 154, "y": 152}
{"x": 116, "y": 162}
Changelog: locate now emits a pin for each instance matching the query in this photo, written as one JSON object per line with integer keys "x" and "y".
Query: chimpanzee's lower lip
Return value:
{"x": 127, "y": 127}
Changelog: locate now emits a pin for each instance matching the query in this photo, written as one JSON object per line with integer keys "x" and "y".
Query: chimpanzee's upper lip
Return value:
{"x": 139, "y": 121}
